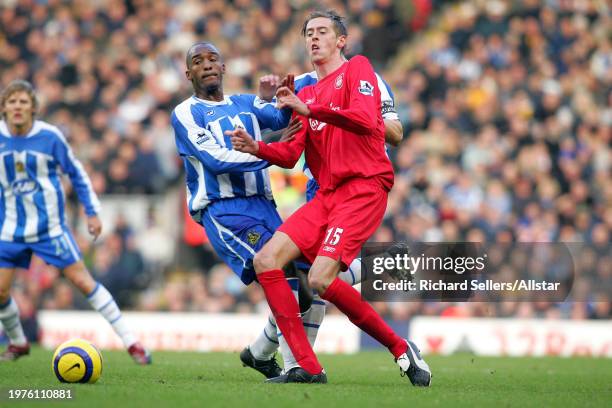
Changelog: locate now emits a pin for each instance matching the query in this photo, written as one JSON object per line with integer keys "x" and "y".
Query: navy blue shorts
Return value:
{"x": 238, "y": 228}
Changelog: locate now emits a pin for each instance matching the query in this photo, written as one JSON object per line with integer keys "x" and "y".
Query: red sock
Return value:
{"x": 287, "y": 314}
{"x": 361, "y": 313}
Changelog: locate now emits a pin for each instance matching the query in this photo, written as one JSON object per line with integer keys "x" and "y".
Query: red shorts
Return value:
{"x": 337, "y": 223}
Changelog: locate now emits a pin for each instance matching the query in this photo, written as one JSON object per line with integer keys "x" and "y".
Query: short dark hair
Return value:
{"x": 193, "y": 46}
{"x": 18, "y": 85}
{"x": 337, "y": 19}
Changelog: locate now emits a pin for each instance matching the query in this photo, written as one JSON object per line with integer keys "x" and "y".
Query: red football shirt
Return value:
{"x": 344, "y": 137}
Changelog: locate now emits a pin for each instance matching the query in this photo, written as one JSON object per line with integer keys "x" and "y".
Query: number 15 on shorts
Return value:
{"x": 333, "y": 236}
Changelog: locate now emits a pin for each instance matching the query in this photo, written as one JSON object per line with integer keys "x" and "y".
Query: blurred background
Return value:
{"x": 506, "y": 107}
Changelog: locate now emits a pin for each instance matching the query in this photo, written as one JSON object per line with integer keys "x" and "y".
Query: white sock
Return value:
{"x": 101, "y": 300}
{"x": 312, "y": 322}
{"x": 352, "y": 275}
{"x": 266, "y": 344}
{"x": 9, "y": 316}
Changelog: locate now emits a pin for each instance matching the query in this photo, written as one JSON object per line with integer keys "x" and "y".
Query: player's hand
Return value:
{"x": 289, "y": 82}
{"x": 268, "y": 84}
{"x": 287, "y": 99}
{"x": 289, "y": 132}
{"x": 242, "y": 141}
{"x": 94, "y": 226}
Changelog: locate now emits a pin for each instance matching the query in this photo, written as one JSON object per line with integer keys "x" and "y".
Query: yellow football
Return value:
{"x": 77, "y": 360}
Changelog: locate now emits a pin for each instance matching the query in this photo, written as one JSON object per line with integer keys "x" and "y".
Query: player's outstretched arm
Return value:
{"x": 283, "y": 154}
{"x": 193, "y": 140}
{"x": 242, "y": 141}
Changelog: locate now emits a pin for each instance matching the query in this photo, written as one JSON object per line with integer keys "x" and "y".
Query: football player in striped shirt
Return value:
{"x": 229, "y": 192}
{"x": 33, "y": 155}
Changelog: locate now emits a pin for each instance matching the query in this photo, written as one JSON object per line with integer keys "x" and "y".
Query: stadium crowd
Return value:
{"x": 506, "y": 107}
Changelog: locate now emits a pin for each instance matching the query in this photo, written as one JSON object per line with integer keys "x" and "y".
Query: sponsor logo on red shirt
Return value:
{"x": 316, "y": 125}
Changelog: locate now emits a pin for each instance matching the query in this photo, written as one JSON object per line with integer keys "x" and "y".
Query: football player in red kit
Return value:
{"x": 343, "y": 138}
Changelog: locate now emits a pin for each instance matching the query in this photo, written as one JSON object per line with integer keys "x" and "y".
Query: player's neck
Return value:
{"x": 21, "y": 129}
{"x": 327, "y": 67}
{"x": 210, "y": 93}
{"x": 216, "y": 96}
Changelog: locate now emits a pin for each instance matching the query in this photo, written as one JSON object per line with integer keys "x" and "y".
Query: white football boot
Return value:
{"x": 412, "y": 365}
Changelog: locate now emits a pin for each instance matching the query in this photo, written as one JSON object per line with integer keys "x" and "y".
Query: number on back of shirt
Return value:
{"x": 333, "y": 235}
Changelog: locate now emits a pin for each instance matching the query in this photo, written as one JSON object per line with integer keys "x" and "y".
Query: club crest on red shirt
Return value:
{"x": 339, "y": 79}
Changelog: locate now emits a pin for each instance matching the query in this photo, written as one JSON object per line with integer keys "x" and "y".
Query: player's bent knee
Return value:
{"x": 276, "y": 253}
{"x": 264, "y": 261}
{"x": 318, "y": 282}
{"x": 322, "y": 273}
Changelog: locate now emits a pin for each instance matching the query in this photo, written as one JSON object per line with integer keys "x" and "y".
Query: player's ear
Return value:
{"x": 341, "y": 41}
{"x": 188, "y": 75}
{"x": 223, "y": 68}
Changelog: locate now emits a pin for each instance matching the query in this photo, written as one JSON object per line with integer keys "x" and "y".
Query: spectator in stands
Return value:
{"x": 506, "y": 108}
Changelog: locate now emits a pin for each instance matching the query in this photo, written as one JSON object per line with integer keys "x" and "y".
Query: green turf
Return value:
{"x": 365, "y": 379}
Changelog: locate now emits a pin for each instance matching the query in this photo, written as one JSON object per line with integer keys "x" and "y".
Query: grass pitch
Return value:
{"x": 368, "y": 379}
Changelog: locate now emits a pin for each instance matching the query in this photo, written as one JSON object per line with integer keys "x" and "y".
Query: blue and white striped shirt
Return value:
{"x": 31, "y": 193}
{"x": 213, "y": 169}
